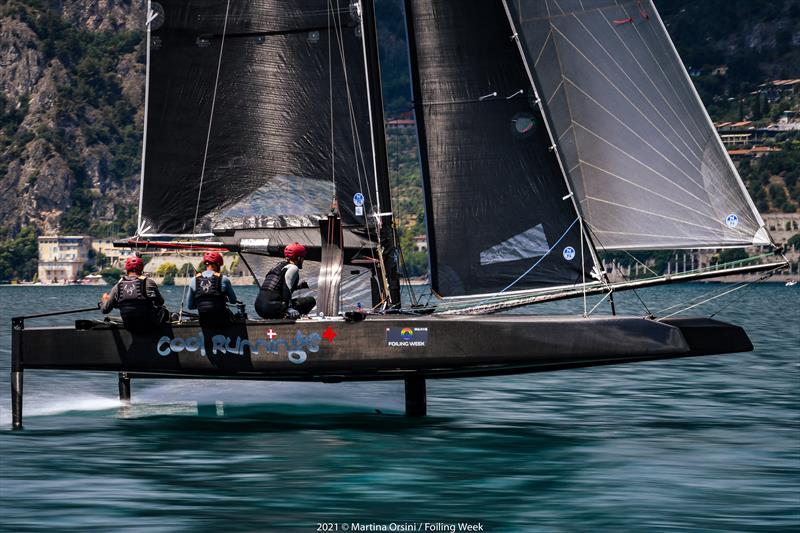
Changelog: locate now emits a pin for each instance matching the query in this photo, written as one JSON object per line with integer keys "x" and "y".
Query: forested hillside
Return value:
{"x": 71, "y": 101}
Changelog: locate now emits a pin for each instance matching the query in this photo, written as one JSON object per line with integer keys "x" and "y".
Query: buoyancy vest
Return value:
{"x": 208, "y": 295}
{"x": 132, "y": 299}
{"x": 274, "y": 282}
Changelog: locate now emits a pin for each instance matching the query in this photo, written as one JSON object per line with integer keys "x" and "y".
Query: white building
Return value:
{"x": 62, "y": 257}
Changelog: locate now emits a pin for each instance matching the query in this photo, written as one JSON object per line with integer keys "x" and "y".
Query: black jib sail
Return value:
{"x": 647, "y": 166}
{"x": 254, "y": 107}
{"x": 497, "y": 206}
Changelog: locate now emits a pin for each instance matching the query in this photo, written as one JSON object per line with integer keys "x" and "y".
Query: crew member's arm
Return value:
{"x": 227, "y": 288}
{"x": 291, "y": 277}
{"x": 110, "y": 302}
{"x": 153, "y": 294}
{"x": 190, "y": 300}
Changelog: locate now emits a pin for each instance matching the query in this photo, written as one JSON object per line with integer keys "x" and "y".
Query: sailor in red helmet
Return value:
{"x": 274, "y": 299}
{"x": 209, "y": 293}
{"x": 138, "y": 299}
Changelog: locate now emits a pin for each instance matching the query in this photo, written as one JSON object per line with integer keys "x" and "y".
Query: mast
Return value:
{"x": 386, "y": 245}
{"x": 422, "y": 143}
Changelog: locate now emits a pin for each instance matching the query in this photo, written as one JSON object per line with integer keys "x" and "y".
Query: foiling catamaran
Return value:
{"x": 548, "y": 129}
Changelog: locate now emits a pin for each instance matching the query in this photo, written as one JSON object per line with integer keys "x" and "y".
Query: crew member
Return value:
{"x": 274, "y": 299}
{"x": 138, "y": 299}
{"x": 209, "y": 293}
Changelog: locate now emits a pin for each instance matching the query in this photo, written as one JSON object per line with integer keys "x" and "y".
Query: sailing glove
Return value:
{"x": 292, "y": 313}
{"x": 302, "y": 285}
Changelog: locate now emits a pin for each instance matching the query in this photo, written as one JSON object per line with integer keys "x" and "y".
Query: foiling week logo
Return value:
{"x": 406, "y": 337}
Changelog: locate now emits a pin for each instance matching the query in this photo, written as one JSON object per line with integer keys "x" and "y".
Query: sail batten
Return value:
{"x": 643, "y": 158}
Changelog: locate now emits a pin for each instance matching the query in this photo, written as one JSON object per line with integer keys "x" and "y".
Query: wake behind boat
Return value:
{"x": 547, "y": 134}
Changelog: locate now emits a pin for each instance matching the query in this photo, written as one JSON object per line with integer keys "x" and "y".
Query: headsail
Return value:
{"x": 254, "y": 107}
{"x": 497, "y": 215}
{"x": 647, "y": 166}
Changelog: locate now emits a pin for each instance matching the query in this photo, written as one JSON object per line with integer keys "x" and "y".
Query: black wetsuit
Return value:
{"x": 139, "y": 302}
{"x": 210, "y": 299}
{"x": 275, "y": 296}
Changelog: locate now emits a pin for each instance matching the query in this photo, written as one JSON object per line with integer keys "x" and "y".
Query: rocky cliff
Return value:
{"x": 71, "y": 91}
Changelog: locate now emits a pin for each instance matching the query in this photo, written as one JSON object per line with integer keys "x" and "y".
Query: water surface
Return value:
{"x": 700, "y": 444}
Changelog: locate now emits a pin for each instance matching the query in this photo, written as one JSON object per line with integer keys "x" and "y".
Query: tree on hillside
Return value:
{"x": 19, "y": 256}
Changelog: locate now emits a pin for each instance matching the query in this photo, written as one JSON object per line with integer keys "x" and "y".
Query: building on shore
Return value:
{"x": 61, "y": 257}
{"x": 116, "y": 256}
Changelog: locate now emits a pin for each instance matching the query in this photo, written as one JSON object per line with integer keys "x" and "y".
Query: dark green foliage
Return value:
{"x": 784, "y": 164}
{"x": 112, "y": 275}
{"x": 19, "y": 256}
{"x": 732, "y": 254}
{"x": 741, "y": 34}
{"x": 169, "y": 279}
{"x": 187, "y": 269}
{"x": 393, "y": 56}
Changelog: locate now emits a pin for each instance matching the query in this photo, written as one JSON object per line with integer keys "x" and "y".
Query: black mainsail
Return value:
{"x": 254, "y": 107}
{"x": 646, "y": 164}
{"x": 498, "y": 209}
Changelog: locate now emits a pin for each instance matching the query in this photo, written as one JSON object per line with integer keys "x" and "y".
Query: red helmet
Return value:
{"x": 213, "y": 258}
{"x": 134, "y": 264}
{"x": 294, "y": 250}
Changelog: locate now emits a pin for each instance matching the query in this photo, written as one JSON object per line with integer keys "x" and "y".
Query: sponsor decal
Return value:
{"x": 406, "y": 337}
{"x": 358, "y": 199}
{"x": 732, "y": 220}
{"x": 295, "y": 349}
{"x": 569, "y": 253}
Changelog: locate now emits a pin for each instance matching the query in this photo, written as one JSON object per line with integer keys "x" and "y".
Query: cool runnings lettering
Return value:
{"x": 220, "y": 344}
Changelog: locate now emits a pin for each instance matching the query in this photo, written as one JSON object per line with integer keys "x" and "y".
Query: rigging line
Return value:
{"x": 542, "y": 257}
{"x": 603, "y": 299}
{"x": 358, "y": 150}
{"x": 353, "y": 125}
{"x": 211, "y": 118}
{"x": 718, "y": 296}
{"x": 733, "y": 301}
{"x": 583, "y": 271}
{"x": 655, "y": 108}
{"x": 641, "y": 301}
{"x": 697, "y": 298}
{"x": 330, "y": 96}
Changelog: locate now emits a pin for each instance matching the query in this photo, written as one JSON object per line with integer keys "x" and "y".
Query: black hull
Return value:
{"x": 453, "y": 347}
{"x": 378, "y": 348}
